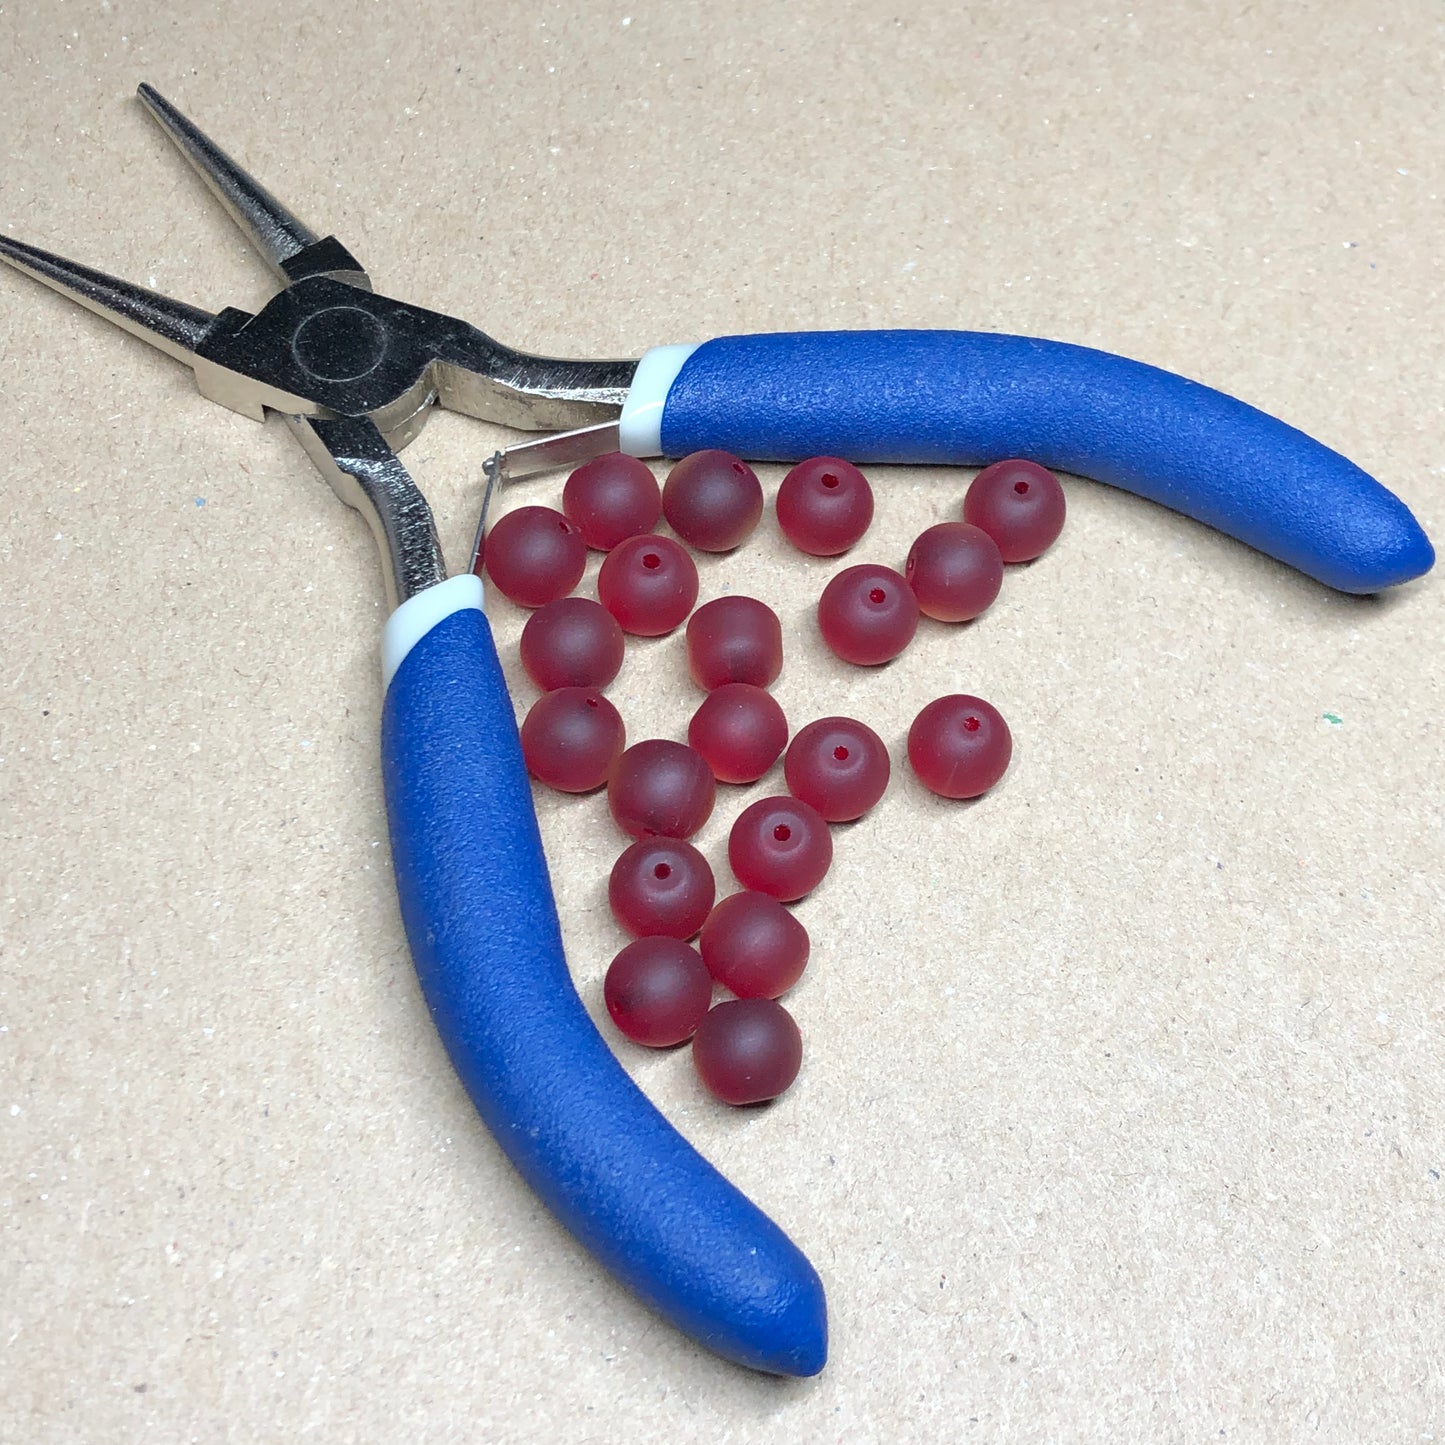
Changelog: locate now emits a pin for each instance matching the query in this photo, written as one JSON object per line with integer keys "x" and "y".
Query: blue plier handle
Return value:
{"x": 355, "y": 375}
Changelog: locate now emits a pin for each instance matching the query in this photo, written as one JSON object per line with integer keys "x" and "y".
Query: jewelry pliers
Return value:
{"x": 354, "y": 375}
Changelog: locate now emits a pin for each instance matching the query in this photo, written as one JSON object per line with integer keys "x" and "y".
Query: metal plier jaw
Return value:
{"x": 355, "y": 374}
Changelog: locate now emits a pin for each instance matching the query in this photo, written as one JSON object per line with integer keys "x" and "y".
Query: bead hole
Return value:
{"x": 829, "y": 480}
{"x": 663, "y": 870}
{"x": 841, "y": 753}
{"x": 971, "y": 724}
{"x": 652, "y": 561}
{"x": 593, "y": 702}
{"x": 782, "y": 832}
{"x": 1021, "y": 488}
{"x": 877, "y": 595}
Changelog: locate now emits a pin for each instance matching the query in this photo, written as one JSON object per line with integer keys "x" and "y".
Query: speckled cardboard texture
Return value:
{"x": 1121, "y": 1115}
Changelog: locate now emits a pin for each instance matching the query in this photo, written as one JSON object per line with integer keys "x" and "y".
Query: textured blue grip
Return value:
{"x": 478, "y": 908}
{"x": 969, "y": 398}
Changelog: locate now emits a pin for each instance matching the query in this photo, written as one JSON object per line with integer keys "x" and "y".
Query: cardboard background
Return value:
{"x": 1122, "y": 1110}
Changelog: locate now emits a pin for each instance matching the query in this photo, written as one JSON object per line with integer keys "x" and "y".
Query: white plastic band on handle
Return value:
{"x": 640, "y": 425}
{"x": 418, "y": 615}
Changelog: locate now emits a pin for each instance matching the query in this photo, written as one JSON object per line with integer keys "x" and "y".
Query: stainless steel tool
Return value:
{"x": 355, "y": 375}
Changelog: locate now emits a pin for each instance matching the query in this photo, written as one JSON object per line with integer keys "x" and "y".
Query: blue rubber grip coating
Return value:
{"x": 969, "y": 398}
{"x": 477, "y": 903}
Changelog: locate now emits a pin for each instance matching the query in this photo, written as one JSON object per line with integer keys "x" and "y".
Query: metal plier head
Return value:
{"x": 355, "y": 374}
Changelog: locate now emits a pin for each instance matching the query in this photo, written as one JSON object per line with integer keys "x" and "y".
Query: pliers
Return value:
{"x": 355, "y": 374}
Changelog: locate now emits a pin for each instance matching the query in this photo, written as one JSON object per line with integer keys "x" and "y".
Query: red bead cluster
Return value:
{"x": 1013, "y": 512}
{"x": 659, "y": 989}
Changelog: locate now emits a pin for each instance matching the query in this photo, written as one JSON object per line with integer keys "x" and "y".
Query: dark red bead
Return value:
{"x": 657, "y": 991}
{"x": 752, "y": 945}
{"x": 781, "y": 847}
{"x": 1020, "y": 505}
{"x": 648, "y": 584}
{"x": 824, "y": 506}
{"x": 740, "y": 730}
{"x": 959, "y": 746}
{"x": 747, "y": 1050}
{"x": 572, "y": 642}
{"x": 534, "y": 555}
{"x": 661, "y": 886}
{"x": 955, "y": 571}
{"x": 571, "y": 738}
{"x": 611, "y": 498}
{"x": 712, "y": 500}
{"x": 734, "y": 639}
{"x": 661, "y": 789}
{"x": 838, "y": 766}
{"x": 867, "y": 614}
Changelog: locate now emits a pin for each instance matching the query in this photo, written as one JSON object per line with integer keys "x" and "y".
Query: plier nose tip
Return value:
{"x": 275, "y": 231}
{"x": 173, "y": 326}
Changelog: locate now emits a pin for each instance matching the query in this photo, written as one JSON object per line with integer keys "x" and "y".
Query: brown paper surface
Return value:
{"x": 1122, "y": 1112}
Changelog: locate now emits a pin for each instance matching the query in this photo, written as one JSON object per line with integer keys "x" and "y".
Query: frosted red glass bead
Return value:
{"x": 534, "y": 555}
{"x": 571, "y": 738}
{"x": 734, "y": 639}
{"x": 661, "y": 886}
{"x": 867, "y": 614}
{"x": 660, "y": 788}
{"x": 752, "y": 945}
{"x": 611, "y": 498}
{"x": 741, "y": 731}
{"x": 572, "y": 642}
{"x": 657, "y": 991}
{"x": 747, "y": 1050}
{"x": 1020, "y": 505}
{"x": 839, "y": 766}
{"x": 780, "y": 846}
{"x": 955, "y": 570}
{"x": 712, "y": 500}
{"x": 649, "y": 584}
{"x": 824, "y": 506}
{"x": 959, "y": 746}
